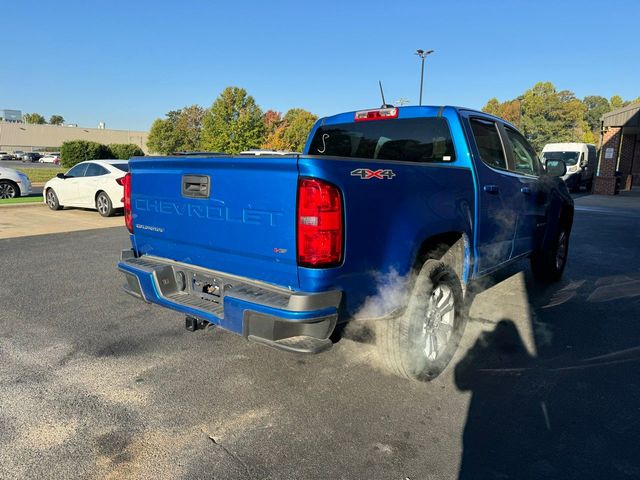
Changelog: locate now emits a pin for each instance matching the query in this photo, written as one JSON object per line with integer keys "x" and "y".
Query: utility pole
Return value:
{"x": 422, "y": 54}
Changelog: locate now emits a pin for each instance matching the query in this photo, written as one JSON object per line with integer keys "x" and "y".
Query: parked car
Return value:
{"x": 13, "y": 183}
{"x": 403, "y": 205}
{"x": 30, "y": 157}
{"x": 50, "y": 158}
{"x": 581, "y": 160}
{"x": 95, "y": 184}
{"x": 6, "y": 156}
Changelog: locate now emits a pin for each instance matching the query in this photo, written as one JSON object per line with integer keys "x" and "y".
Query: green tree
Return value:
{"x": 616, "y": 102}
{"x": 125, "y": 151}
{"x": 76, "y": 151}
{"x": 234, "y": 123}
{"x": 595, "y": 106}
{"x": 180, "y": 131}
{"x": 551, "y": 116}
{"x": 34, "y": 118}
{"x": 56, "y": 120}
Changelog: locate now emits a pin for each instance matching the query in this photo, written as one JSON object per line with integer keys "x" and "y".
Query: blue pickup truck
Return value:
{"x": 281, "y": 249}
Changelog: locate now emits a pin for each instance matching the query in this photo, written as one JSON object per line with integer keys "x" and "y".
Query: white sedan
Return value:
{"x": 50, "y": 158}
{"x": 13, "y": 183}
{"x": 95, "y": 184}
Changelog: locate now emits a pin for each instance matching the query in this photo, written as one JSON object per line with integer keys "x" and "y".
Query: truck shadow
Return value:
{"x": 572, "y": 409}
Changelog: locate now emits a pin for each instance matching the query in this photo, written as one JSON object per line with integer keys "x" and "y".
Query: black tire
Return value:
{"x": 52, "y": 200}
{"x": 8, "y": 189}
{"x": 548, "y": 265}
{"x": 104, "y": 205}
{"x": 419, "y": 344}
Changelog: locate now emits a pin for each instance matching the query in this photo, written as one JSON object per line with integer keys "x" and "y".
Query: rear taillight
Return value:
{"x": 320, "y": 227}
{"x": 126, "y": 200}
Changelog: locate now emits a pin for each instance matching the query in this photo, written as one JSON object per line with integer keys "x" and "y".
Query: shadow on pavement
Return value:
{"x": 572, "y": 411}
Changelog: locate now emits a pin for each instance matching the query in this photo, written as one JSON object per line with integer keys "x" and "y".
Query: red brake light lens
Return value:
{"x": 320, "y": 226}
{"x": 379, "y": 114}
{"x": 126, "y": 200}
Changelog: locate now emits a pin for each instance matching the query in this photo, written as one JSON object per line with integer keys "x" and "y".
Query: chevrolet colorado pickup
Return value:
{"x": 282, "y": 248}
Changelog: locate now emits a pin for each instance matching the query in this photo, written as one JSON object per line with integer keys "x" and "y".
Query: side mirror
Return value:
{"x": 556, "y": 168}
{"x": 61, "y": 176}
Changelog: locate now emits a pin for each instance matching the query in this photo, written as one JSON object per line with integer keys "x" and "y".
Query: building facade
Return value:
{"x": 29, "y": 137}
{"x": 619, "y": 162}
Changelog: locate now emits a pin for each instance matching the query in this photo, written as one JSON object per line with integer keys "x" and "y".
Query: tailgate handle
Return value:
{"x": 195, "y": 186}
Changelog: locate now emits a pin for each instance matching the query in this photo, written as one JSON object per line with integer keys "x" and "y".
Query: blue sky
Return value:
{"x": 129, "y": 62}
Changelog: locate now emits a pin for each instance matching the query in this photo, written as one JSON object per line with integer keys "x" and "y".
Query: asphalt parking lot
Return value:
{"x": 98, "y": 385}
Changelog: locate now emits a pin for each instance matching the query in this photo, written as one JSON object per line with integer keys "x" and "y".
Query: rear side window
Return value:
{"x": 95, "y": 170}
{"x": 422, "y": 140}
{"x": 488, "y": 143}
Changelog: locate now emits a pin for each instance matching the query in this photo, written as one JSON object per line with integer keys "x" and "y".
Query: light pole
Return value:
{"x": 422, "y": 54}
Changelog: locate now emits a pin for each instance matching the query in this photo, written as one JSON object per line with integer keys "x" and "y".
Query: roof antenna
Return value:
{"x": 384, "y": 103}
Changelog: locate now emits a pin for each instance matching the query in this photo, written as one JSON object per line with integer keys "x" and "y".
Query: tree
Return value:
{"x": 509, "y": 110}
{"x": 616, "y": 102}
{"x": 292, "y": 131}
{"x": 125, "y": 151}
{"x": 595, "y": 106}
{"x": 34, "y": 118}
{"x": 76, "y": 151}
{"x": 56, "y": 120}
{"x": 180, "y": 131}
{"x": 550, "y": 116}
{"x": 233, "y": 124}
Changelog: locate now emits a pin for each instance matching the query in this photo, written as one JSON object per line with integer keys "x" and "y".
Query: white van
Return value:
{"x": 581, "y": 161}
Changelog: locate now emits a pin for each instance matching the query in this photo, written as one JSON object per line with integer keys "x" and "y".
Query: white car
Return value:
{"x": 50, "y": 158}
{"x": 13, "y": 183}
{"x": 95, "y": 184}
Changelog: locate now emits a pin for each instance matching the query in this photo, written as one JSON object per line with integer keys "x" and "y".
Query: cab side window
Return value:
{"x": 488, "y": 142}
{"x": 524, "y": 157}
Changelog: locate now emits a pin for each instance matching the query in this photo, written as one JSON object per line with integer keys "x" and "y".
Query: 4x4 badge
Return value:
{"x": 366, "y": 174}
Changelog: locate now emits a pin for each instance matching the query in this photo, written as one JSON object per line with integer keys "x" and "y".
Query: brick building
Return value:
{"x": 620, "y": 150}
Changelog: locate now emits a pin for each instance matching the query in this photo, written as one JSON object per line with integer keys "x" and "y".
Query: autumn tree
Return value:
{"x": 292, "y": 132}
{"x": 234, "y": 123}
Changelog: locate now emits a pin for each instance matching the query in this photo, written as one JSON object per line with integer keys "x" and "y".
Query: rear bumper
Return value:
{"x": 278, "y": 317}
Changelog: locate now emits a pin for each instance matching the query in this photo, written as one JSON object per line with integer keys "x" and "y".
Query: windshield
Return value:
{"x": 409, "y": 140}
{"x": 569, "y": 158}
{"x": 121, "y": 166}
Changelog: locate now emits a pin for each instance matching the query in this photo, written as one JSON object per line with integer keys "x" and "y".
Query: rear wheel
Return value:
{"x": 52, "y": 200}
{"x": 547, "y": 266}
{"x": 419, "y": 344}
{"x": 8, "y": 189}
{"x": 104, "y": 205}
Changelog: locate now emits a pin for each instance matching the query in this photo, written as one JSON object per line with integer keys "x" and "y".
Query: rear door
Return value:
{"x": 498, "y": 192}
{"x": 88, "y": 186}
{"x": 531, "y": 200}
{"x": 232, "y": 214}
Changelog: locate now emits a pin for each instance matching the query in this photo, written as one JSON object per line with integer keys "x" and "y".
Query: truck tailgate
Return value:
{"x": 233, "y": 214}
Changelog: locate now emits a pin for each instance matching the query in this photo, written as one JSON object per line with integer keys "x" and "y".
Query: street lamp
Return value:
{"x": 422, "y": 54}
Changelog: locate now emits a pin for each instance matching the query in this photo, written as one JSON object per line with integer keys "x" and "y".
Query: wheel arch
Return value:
{"x": 453, "y": 248}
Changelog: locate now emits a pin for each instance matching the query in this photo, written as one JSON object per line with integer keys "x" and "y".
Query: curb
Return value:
{"x": 29, "y": 204}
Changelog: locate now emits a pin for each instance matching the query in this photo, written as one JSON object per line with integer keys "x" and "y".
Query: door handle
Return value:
{"x": 492, "y": 189}
{"x": 526, "y": 190}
